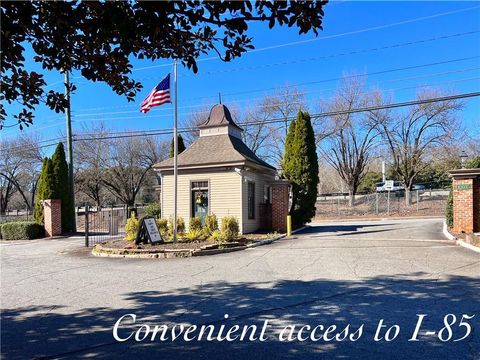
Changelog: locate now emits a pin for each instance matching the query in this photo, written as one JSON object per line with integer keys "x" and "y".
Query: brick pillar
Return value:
{"x": 52, "y": 209}
{"x": 466, "y": 200}
{"x": 476, "y": 205}
{"x": 280, "y": 205}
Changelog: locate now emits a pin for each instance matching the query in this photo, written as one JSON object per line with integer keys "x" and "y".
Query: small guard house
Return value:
{"x": 219, "y": 174}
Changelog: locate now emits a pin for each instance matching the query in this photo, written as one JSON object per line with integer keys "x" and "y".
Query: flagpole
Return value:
{"x": 175, "y": 151}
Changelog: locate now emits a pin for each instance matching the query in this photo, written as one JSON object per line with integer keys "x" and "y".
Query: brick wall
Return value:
{"x": 463, "y": 205}
{"x": 476, "y": 205}
{"x": 280, "y": 206}
{"x": 53, "y": 217}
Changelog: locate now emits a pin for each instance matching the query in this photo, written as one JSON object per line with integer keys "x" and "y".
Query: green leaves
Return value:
{"x": 100, "y": 38}
{"x": 300, "y": 166}
{"x": 180, "y": 146}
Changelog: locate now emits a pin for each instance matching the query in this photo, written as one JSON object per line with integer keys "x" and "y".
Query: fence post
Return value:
{"x": 417, "y": 200}
{"x": 338, "y": 205}
{"x": 86, "y": 226}
{"x": 376, "y": 203}
{"x": 388, "y": 203}
{"x": 110, "y": 225}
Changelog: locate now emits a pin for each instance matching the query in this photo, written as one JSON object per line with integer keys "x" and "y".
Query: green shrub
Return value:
{"x": 193, "y": 235}
{"x": 449, "y": 210}
{"x": 230, "y": 228}
{"x": 131, "y": 228}
{"x": 195, "y": 223}
{"x": 211, "y": 224}
{"x": 473, "y": 163}
{"x": 152, "y": 209}
{"x": 216, "y": 236}
{"x": 273, "y": 235}
{"x": 162, "y": 225}
{"x": 180, "y": 225}
{"x": 21, "y": 230}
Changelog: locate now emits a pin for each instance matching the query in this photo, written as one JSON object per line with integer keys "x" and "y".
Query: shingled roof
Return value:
{"x": 219, "y": 116}
{"x": 214, "y": 150}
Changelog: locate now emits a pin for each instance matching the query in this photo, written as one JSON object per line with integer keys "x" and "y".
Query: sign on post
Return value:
{"x": 389, "y": 185}
{"x": 148, "y": 231}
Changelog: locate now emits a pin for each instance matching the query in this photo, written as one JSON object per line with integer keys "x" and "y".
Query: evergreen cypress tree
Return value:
{"x": 45, "y": 189}
{"x": 180, "y": 146}
{"x": 62, "y": 187}
{"x": 38, "y": 209}
{"x": 300, "y": 166}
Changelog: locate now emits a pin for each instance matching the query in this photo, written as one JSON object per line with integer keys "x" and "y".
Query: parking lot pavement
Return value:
{"x": 60, "y": 302}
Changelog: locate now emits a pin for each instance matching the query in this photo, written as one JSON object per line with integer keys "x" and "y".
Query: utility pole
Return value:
{"x": 384, "y": 178}
{"x": 69, "y": 144}
{"x": 175, "y": 151}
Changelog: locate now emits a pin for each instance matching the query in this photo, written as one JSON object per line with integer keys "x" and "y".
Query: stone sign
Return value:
{"x": 464, "y": 186}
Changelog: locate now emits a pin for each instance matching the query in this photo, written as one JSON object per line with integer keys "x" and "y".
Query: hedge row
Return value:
{"x": 21, "y": 230}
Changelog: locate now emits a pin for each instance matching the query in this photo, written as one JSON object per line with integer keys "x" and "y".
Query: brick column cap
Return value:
{"x": 464, "y": 173}
{"x": 52, "y": 200}
{"x": 280, "y": 182}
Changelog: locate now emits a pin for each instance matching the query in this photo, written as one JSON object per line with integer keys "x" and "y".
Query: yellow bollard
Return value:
{"x": 289, "y": 225}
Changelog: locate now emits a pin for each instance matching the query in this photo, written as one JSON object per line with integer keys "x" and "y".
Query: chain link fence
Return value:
{"x": 383, "y": 204}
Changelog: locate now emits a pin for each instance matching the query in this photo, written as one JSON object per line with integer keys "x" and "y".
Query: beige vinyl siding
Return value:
{"x": 260, "y": 180}
{"x": 224, "y": 193}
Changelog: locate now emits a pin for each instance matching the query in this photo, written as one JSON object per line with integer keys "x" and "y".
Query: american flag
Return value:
{"x": 159, "y": 95}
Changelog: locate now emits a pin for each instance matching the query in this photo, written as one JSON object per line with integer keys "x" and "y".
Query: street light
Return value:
{"x": 463, "y": 158}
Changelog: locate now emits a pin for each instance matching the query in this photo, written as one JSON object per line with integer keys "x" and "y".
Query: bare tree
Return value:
{"x": 282, "y": 106}
{"x": 88, "y": 165}
{"x": 257, "y": 135}
{"x": 7, "y": 190}
{"x": 348, "y": 148}
{"x": 411, "y": 135}
{"x": 126, "y": 167}
{"x": 19, "y": 169}
{"x": 196, "y": 118}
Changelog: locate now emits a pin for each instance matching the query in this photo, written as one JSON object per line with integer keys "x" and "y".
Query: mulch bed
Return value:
{"x": 124, "y": 244}
{"x": 123, "y": 248}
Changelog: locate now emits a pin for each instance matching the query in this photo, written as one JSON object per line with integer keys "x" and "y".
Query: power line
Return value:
{"x": 274, "y": 105}
{"x": 300, "y": 93}
{"x": 368, "y": 74}
{"x": 312, "y": 82}
{"x": 317, "y": 115}
{"x": 155, "y": 132}
{"x": 331, "y": 56}
{"x": 354, "y": 32}
{"x": 261, "y": 97}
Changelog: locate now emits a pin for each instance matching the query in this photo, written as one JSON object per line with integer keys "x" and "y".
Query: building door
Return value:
{"x": 200, "y": 199}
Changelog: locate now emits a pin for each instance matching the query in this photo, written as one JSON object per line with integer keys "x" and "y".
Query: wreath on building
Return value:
{"x": 200, "y": 199}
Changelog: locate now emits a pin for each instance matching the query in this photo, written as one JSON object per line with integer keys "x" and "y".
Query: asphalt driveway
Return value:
{"x": 59, "y": 302}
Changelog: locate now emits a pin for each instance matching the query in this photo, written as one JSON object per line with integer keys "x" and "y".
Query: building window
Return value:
{"x": 251, "y": 200}
{"x": 199, "y": 196}
{"x": 267, "y": 194}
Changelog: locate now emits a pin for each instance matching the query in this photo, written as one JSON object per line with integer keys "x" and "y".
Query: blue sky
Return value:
{"x": 314, "y": 65}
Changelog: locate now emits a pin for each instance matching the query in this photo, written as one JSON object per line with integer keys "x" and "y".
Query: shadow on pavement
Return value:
{"x": 36, "y": 332}
{"x": 352, "y": 228}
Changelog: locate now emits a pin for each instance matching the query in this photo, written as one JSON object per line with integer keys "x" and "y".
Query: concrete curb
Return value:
{"x": 269, "y": 241}
{"x": 459, "y": 242}
{"x": 183, "y": 253}
{"x": 447, "y": 233}
{"x": 468, "y": 246}
{"x": 385, "y": 218}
